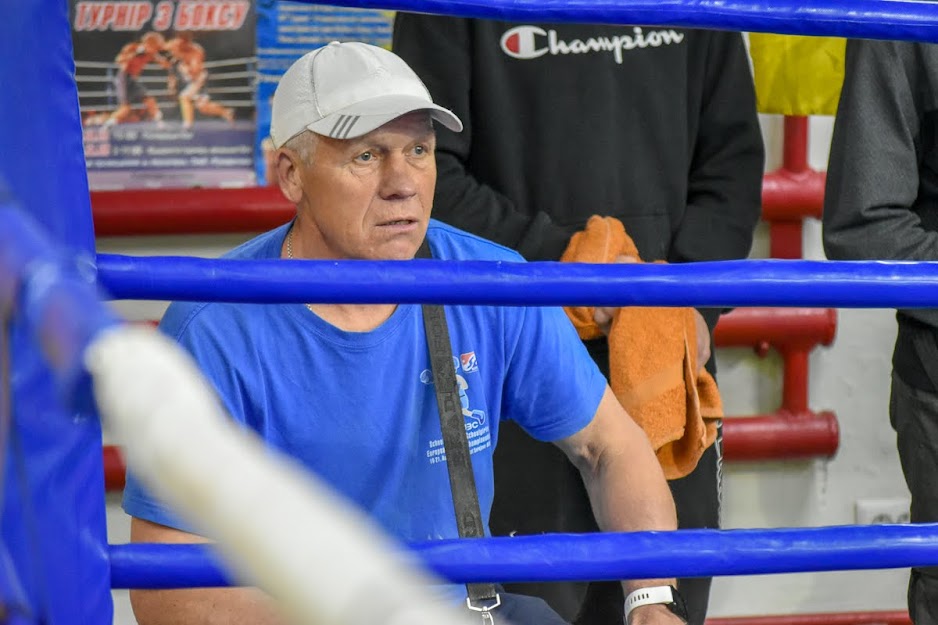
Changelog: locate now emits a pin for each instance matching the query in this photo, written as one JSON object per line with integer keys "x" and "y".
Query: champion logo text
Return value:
{"x": 531, "y": 42}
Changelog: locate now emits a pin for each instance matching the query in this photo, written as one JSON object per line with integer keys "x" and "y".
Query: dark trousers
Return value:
{"x": 537, "y": 490}
{"x": 914, "y": 416}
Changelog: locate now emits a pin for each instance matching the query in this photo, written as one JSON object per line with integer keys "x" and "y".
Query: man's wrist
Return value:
{"x": 652, "y": 613}
{"x": 660, "y": 597}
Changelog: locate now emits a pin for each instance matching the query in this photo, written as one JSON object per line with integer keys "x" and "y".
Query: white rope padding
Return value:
{"x": 232, "y": 75}
{"x": 96, "y": 64}
{"x": 230, "y": 90}
{"x": 158, "y": 77}
{"x": 238, "y": 104}
{"x": 245, "y": 60}
{"x": 108, "y": 94}
{"x": 163, "y": 106}
{"x": 166, "y": 93}
{"x": 94, "y": 79}
{"x": 277, "y": 526}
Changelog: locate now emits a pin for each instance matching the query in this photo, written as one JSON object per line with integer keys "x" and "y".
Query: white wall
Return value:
{"x": 851, "y": 378}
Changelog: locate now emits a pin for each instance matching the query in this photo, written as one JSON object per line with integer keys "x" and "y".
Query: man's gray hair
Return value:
{"x": 304, "y": 144}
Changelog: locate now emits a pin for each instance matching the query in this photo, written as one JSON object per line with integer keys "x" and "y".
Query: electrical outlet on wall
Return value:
{"x": 882, "y": 511}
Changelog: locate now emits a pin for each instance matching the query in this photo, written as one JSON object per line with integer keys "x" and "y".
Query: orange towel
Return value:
{"x": 652, "y": 360}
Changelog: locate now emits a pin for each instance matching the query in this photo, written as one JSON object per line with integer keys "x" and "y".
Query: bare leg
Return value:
{"x": 118, "y": 116}
{"x": 213, "y": 109}
{"x": 153, "y": 109}
{"x": 185, "y": 108}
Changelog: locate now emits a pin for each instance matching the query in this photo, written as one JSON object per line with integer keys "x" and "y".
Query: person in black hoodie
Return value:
{"x": 654, "y": 126}
{"x": 881, "y": 203}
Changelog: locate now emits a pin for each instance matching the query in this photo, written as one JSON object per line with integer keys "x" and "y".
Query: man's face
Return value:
{"x": 370, "y": 197}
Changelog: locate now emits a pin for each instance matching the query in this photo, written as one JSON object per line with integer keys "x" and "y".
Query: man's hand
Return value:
{"x": 703, "y": 340}
{"x": 654, "y": 614}
{"x": 603, "y": 316}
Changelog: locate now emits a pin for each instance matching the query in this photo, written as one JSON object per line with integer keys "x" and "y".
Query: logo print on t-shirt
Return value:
{"x": 469, "y": 362}
{"x": 519, "y": 42}
{"x": 527, "y": 42}
{"x": 474, "y": 418}
{"x": 477, "y": 427}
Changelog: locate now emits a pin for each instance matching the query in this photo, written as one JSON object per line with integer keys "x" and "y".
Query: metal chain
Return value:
{"x": 290, "y": 256}
{"x": 290, "y": 243}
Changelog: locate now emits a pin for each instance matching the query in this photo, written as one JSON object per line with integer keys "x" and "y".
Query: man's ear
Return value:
{"x": 289, "y": 177}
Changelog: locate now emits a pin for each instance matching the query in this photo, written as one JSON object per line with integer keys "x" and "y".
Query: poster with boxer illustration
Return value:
{"x": 166, "y": 90}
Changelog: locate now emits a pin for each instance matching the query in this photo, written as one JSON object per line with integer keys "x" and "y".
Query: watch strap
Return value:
{"x": 648, "y": 596}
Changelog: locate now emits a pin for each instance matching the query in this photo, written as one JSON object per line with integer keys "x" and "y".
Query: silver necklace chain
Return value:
{"x": 290, "y": 243}
{"x": 290, "y": 256}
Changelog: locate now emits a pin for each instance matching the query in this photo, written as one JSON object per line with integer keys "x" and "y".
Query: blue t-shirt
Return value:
{"x": 358, "y": 408}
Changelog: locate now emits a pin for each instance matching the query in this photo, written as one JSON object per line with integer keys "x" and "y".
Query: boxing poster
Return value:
{"x": 286, "y": 31}
{"x": 166, "y": 90}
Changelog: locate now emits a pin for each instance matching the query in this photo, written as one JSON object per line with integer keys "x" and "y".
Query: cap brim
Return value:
{"x": 361, "y": 118}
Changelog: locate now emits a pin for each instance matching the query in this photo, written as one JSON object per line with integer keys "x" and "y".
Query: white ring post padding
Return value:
{"x": 276, "y": 526}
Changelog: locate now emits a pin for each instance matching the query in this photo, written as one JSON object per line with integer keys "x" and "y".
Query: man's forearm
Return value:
{"x": 626, "y": 486}
{"x": 205, "y": 606}
{"x": 625, "y": 499}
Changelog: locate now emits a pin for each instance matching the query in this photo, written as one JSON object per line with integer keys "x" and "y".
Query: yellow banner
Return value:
{"x": 797, "y": 75}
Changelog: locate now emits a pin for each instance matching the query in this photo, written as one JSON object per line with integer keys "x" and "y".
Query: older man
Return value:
{"x": 348, "y": 389}
{"x": 655, "y": 127}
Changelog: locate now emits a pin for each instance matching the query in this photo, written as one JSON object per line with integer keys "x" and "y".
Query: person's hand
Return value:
{"x": 603, "y": 316}
{"x": 654, "y": 614}
{"x": 703, "y": 340}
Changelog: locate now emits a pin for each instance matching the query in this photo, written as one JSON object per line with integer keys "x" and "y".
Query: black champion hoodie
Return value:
{"x": 655, "y": 126}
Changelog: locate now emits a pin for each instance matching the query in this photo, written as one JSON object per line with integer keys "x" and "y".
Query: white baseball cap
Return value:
{"x": 346, "y": 90}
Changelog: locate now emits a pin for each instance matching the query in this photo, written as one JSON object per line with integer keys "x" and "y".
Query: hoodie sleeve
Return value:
{"x": 873, "y": 180}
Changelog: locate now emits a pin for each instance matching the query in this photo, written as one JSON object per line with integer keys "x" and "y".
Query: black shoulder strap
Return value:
{"x": 482, "y": 597}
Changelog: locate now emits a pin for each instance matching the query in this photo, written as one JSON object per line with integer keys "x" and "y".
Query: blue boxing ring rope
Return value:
{"x": 724, "y": 283}
{"x": 900, "y": 20}
{"x": 55, "y": 564}
{"x": 586, "y": 557}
